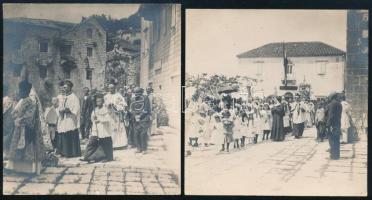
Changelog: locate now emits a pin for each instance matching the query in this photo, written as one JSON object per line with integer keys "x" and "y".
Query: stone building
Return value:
{"x": 49, "y": 51}
{"x": 356, "y": 71}
{"x": 312, "y": 63}
{"x": 161, "y": 55}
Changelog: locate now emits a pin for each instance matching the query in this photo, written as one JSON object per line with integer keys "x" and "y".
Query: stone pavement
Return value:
{"x": 291, "y": 168}
{"x": 129, "y": 174}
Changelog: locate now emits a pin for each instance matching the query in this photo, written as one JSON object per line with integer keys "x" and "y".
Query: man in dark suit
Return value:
{"x": 140, "y": 112}
{"x": 87, "y": 107}
{"x": 334, "y": 122}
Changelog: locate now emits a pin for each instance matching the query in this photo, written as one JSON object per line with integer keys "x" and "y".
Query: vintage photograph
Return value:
{"x": 276, "y": 102}
{"x": 91, "y": 99}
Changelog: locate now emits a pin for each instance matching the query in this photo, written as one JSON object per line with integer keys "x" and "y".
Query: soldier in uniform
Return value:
{"x": 140, "y": 112}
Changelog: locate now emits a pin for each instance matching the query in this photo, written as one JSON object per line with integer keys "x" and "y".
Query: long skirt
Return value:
{"x": 298, "y": 129}
{"x": 68, "y": 144}
{"x": 99, "y": 149}
{"x": 277, "y": 130}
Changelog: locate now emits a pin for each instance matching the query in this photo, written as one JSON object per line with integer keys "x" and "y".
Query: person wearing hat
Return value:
{"x": 140, "y": 112}
{"x": 68, "y": 144}
{"x": 298, "y": 116}
{"x": 26, "y": 145}
{"x": 116, "y": 104}
{"x": 334, "y": 122}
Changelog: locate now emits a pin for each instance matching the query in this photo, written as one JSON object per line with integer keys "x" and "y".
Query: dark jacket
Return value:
{"x": 334, "y": 114}
{"x": 87, "y": 106}
{"x": 145, "y": 112}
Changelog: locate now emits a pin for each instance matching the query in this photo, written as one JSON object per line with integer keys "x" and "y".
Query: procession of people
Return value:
{"x": 119, "y": 119}
{"x": 228, "y": 122}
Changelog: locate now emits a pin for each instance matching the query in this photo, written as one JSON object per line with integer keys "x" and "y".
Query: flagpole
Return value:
{"x": 285, "y": 63}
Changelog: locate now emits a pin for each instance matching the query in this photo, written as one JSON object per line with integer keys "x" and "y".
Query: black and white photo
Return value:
{"x": 91, "y": 101}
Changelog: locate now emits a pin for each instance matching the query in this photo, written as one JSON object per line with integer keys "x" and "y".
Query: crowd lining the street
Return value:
{"x": 226, "y": 121}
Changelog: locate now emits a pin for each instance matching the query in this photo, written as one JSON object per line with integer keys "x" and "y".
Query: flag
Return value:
{"x": 285, "y": 64}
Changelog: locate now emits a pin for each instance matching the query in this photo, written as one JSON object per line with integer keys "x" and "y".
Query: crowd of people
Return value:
{"x": 117, "y": 119}
{"x": 225, "y": 121}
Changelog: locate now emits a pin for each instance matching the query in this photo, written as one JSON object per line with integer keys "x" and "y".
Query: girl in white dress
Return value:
{"x": 266, "y": 121}
{"x": 237, "y": 130}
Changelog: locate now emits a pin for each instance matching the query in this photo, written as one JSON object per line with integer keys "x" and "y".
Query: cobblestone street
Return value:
{"x": 293, "y": 167}
{"x": 130, "y": 173}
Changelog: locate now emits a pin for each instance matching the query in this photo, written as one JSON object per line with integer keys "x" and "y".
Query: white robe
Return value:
{"x": 345, "y": 123}
{"x": 118, "y": 133}
{"x": 103, "y": 128}
{"x": 69, "y": 122}
{"x": 298, "y": 116}
{"x": 237, "y": 128}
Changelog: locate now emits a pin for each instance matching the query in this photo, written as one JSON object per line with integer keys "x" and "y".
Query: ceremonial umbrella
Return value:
{"x": 228, "y": 89}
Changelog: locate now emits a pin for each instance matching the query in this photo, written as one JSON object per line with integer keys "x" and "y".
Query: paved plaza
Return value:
{"x": 130, "y": 173}
{"x": 293, "y": 167}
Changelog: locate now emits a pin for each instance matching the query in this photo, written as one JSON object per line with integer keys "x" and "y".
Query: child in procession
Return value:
{"x": 237, "y": 127}
{"x": 228, "y": 125}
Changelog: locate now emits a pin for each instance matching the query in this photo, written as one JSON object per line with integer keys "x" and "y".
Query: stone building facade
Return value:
{"x": 356, "y": 71}
{"x": 49, "y": 51}
{"x": 161, "y": 55}
{"x": 313, "y": 63}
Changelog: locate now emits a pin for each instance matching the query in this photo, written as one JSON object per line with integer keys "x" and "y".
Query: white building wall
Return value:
{"x": 270, "y": 73}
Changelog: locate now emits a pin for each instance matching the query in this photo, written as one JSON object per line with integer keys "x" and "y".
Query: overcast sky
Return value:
{"x": 215, "y": 37}
{"x": 68, "y": 12}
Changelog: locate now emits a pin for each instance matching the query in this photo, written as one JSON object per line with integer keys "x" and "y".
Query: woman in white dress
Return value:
{"x": 116, "y": 104}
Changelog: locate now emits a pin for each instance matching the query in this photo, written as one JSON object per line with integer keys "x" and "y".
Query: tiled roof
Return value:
{"x": 41, "y": 22}
{"x": 293, "y": 49}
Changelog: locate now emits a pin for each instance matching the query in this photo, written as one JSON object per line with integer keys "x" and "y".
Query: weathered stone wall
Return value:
{"x": 356, "y": 71}
{"x": 28, "y": 55}
{"x": 81, "y": 42}
{"x": 163, "y": 66}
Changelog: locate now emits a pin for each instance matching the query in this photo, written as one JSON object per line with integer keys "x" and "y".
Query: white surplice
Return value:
{"x": 119, "y": 136}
